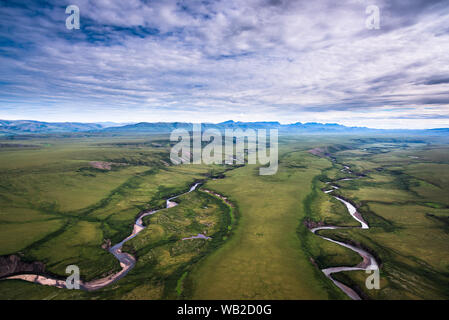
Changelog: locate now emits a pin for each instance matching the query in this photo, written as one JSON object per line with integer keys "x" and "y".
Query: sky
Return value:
{"x": 212, "y": 61}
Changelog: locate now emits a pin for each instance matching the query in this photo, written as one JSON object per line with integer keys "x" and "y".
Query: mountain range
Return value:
{"x": 25, "y": 127}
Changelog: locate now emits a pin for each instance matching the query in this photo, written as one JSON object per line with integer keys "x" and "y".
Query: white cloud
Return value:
{"x": 252, "y": 60}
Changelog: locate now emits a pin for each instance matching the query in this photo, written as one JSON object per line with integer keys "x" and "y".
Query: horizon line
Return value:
{"x": 216, "y": 123}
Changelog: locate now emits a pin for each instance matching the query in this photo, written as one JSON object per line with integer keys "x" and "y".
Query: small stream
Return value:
{"x": 368, "y": 263}
{"x": 127, "y": 261}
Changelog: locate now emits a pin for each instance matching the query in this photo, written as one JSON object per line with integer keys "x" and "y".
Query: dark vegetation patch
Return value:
{"x": 17, "y": 146}
{"x": 442, "y": 220}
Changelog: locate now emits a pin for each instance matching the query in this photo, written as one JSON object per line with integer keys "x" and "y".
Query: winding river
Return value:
{"x": 368, "y": 263}
{"x": 127, "y": 261}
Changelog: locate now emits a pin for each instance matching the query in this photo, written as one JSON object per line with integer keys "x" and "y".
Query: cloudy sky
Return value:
{"x": 246, "y": 60}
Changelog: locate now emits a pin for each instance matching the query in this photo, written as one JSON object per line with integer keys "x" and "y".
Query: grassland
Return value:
{"x": 264, "y": 259}
{"x": 56, "y": 207}
{"x": 403, "y": 198}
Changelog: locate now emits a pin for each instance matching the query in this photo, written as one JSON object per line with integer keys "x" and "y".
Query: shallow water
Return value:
{"x": 369, "y": 262}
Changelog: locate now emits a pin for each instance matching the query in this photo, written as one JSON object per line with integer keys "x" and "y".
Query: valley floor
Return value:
{"x": 66, "y": 199}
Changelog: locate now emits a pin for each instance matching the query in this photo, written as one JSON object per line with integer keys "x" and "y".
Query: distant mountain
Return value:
{"x": 108, "y": 124}
{"x": 160, "y": 127}
{"x": 21, "y": 127}
{"x": 440, "y": 130}
{"x": 16, "y": 127}
{"x": 13, "y": 127}
{"x": 312, "y": 127}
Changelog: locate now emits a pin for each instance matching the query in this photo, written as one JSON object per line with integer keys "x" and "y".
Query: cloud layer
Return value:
{"x": 249, "y": 60}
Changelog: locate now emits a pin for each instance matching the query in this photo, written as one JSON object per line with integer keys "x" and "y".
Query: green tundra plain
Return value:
{"x": 63, "y": 197}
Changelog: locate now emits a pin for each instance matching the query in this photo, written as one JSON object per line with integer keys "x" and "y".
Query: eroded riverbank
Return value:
{"x": 127, "y": 261}
{"x": 368, "y": 263}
